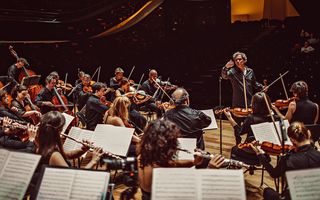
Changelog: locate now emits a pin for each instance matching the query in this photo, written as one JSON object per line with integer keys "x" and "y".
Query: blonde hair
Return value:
{"x": 120, "y": 108}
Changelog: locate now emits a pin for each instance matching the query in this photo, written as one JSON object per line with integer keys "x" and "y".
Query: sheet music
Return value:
{"x": 204, "y": 184}
{"x": 304, "y": 184}
{"x": 266, "y": 132}
{"x": 3, "y": 157}
{"x": 188, "y": 144}
{"x": 69, "y": 119}
{"x": 63, "y": 184}
{"x": 114, "y": 139}
{"x": 213, "y": 124}
{"x": 16, "y": 173}
{"x": 78, "y": 134}
{"x": 218, "y": 184}
{"x": 173, "y": 184}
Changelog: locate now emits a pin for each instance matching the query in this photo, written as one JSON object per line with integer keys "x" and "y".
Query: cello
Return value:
{"x": 33, "y": 90}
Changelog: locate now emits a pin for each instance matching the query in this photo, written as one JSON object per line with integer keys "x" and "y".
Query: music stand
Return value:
{"x": 31, "y": 80}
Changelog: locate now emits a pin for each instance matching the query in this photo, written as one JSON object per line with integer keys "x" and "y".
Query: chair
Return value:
{"x": 147, "y": 113}
{"x": 82, "y": 119}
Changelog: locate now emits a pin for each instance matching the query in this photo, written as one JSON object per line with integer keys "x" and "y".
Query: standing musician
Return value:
{"x": 302, "y": 109}
{"x": 243, "y": 83}
{"x": 15, "y": 70}
{"x": 304, "y": 156}
{"x": 134, "y": 115}
{"x": 95, "y": 109}
{"x": 22, "y": 104}
{"x": 190, "y": 121}
{"x": 44, "y": 98}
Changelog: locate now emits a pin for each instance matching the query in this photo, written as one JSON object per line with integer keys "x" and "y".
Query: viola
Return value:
{"x": 268, "y": 147}
{"x": 238, "y": 112}
{"x": 282, "y": 104}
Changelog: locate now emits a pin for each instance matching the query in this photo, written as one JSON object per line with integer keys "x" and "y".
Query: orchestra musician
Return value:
{"x": 44, "y": 98}
{"x": 190, "y": 121}
{"x": 243, "y": 83}
{"x": 5, "y": 111}
{"x": 302, "y": 109}
{"x": 14, "y": 71}
{"x": 304, "y": 156}
{"x": 95, "y": 109}
{"x": 83, "y": 91}
{"x": 20, "y": 103}
{"x": 134, "y": 115}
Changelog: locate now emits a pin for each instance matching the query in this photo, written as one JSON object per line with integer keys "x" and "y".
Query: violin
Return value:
{"x": 166, "y": 106}
{"x": 268, "y": 147}
{"x": 283, "y": 104}
{"x": 20, "y": 127}
{"x": 63, "y": 85}
{"x": 87, "y": 89}
{"x": 104, "y": 101}
{"x": 238, "y": 112}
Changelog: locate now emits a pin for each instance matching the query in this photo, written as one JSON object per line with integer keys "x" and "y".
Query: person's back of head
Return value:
{"x": 300, "y": 89}
{"x": 180, "y": 96}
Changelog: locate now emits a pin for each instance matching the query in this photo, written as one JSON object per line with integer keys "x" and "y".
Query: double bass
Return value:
{"x": 33, "y": 90}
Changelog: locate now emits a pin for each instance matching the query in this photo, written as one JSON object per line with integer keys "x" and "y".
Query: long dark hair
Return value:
{"x": 48, "y": 135}
{"x": 159, "y": 143}
{"x": 17, "y": 89}
{"x": 259, "y": 105}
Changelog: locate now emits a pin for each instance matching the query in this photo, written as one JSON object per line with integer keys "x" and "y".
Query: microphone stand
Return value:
{"x": 220, "y": 115}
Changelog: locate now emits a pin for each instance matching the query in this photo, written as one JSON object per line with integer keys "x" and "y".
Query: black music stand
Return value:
{"x": 31, "y": 80}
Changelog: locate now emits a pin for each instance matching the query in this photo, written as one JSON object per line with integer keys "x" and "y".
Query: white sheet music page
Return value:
{"x": 90, "y": 185}
{"x": 78, "y": 134}
{"x": 221, "y": 184}
{"x": 114, "y": 139}
{"x": 304, "y": 184}
{"x": 188, "y": 144}
{"x": 265, "y": 132}
{"x": 69, "y": 119}
{"x": 213, "y": 124}
{"x": 56, "y": 184}
{"x": 174, "y": 184}
{"x": 16, "y": 173}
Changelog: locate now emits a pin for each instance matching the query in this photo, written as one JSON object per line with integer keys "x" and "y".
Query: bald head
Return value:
{"x": 153, "y": 75}
{"x": 180, "y": 96}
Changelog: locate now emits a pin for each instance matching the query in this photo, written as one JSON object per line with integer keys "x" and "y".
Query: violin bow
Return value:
{"x": 284, "y": 86}
{"x": 131, "y": 72}
{"x": 272, "y": 117}
{"x": 95, "y": 73}
{"x": 245, "y": 91}
{"x": 159, "y": 87}
{"x": 273, "y": 82}
{"x": 164, "y": 87}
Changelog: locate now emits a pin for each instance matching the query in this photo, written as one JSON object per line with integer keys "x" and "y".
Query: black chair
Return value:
{"x": 82, "y": 118}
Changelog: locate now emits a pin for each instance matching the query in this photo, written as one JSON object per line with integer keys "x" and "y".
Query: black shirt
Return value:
{"x": 235, "y": 75}
{"x": 44, "y": 95}
{"x": 114, "y": 83}
{"x": 305, "y": 112}
{"x": 151, "y": 89}
{"x": 94, "y": 112}
{"x": 81, "y": 96}
{"x": 190, "y": 121}
{"x": 14, "y": 71}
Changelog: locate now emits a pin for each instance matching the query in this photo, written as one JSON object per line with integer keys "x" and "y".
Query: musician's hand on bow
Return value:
{"x": 86, "y": 145}
{"x": 229, "y": 64}
{"x": 14, "y": 109}
{"x": 216, "y": 162}
{"x": 47, "y": 103}
{"x": 255, "y": 147}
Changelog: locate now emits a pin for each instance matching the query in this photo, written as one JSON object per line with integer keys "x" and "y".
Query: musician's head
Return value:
{"x": 258, "y": 104}
{"x": 48, "y": 134}
{"x": 99, "y": 89}
{"x": 159, "y": 143}
{"x": 124, "y": 84}
{"x": 299, "y": 89}
{"x": 22, "y": 62}
{"x": 4, "y": 98}
{"x": 120, "y": 108}
{"x": 19, "y": 91}
{"x": 118, "y": 73}
{"x": 180, "y": 97}
{"x": 81, "y": 74}
{"x": 240, "y": 59}
{"x": 55, "y": 74}
{"x": 86, "y": 79}
{"x": 298, "y": 134}
{"x": 51, "y": 82}
{"x": 153, "y": 75}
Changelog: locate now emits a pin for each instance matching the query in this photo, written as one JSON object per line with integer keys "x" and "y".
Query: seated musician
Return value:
{"x": 20, "y": 102}
{"x": 260, "y": 114}
{"x": 152, "y": 89}
{"x": 190, "y": 121}
{"x": 135, "y": 117}
{"x": 44, "y": 98}
{"x": 304, "y": 156}
{"x": 5, "y": 111}
{"x": 114, "y": 81}
{"x": 83, "y": 91}
{"x": 302, "y": 109}
{"x": 95, "y": 109}
{"x": 15, "y": 70}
